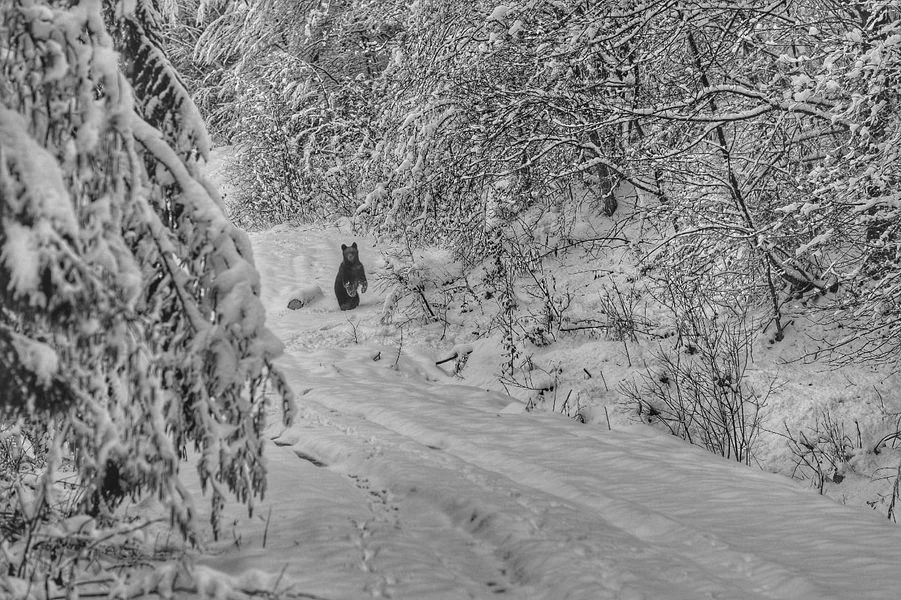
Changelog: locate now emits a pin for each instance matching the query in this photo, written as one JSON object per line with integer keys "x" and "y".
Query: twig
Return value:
{"x": 400, "y": 347}
{"x": 892, "y": 436}
{"x": 266, "y": 530}
{"x": 281, "y": 574}
{"x": 454, "y": 356}
{"x": 896, "y": 493}
{"x": 565, "y": 404}
{"x": 604, "y": 379}
{"x": 446, "y": 360}
{"x": 353, "y": 330}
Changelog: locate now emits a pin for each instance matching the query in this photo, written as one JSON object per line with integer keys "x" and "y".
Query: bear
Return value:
{"x": 351, "y": 277}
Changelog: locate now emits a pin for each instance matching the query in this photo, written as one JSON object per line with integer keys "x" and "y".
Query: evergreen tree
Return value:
{"x": 130, "y": 321}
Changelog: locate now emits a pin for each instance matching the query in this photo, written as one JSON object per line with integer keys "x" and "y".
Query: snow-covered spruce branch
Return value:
{"x": 233, "y": 276}
{"x": 145, "y": 294}
{"x": 149, "y": 71}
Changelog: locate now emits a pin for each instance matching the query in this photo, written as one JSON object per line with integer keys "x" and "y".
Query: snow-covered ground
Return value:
{"x": 396, "y": 481}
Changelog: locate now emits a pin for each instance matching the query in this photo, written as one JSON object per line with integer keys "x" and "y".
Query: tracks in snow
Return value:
{"x": 409, "y": 544}
{"x": 459, "y": 514}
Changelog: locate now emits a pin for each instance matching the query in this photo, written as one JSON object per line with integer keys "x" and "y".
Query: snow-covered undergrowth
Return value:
{"x": 586, "y": 329}
{"x": 403, "y": 479}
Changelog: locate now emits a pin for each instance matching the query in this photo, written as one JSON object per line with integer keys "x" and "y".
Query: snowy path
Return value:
{"x": 393, "y": 484}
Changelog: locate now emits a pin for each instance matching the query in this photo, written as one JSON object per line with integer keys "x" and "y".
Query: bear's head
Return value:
{"x": 351, "y": 253}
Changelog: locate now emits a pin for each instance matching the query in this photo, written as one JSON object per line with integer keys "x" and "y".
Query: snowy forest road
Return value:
{"x": 393, "y": 483}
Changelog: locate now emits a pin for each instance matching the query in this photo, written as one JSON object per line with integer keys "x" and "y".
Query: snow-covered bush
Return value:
{"x": 423, "y": 286}
{"x": 851, "y": 193}
{"x": 130, "y": 326}
{"x": 477, "y": 138}
{"x": 698, "y": 387}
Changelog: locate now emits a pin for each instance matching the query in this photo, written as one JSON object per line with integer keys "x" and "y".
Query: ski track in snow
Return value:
{"x": 394, "y": 482}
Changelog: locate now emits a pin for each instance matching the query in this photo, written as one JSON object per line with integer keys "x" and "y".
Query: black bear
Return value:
{"x": 351, "y": 276}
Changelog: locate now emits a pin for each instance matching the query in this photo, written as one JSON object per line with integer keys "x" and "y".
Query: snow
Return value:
{"x": 37, "y": 357}
{"x": 21, "y": 255}
{"x": 39, "y": 173}
{"x": 499, "y": 13}
{"x": 397, "y": 480}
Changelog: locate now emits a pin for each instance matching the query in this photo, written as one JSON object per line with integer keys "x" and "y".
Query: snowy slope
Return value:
{"x": 396, "y": 482}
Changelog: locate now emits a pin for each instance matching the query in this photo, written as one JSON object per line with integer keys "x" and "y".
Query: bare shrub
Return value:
{"x": 542, "y": 384}
{"x": 889, "y": 498}
{"x": 619, "y": 319}
{"x": 822, "y": 454}
{"x": 702, "y": 394}
{"x": 622, "y": 323}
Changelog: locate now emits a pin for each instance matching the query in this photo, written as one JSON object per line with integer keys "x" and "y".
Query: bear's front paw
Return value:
{"x": 351, "y": 289}
{"x": 363, "y": 287}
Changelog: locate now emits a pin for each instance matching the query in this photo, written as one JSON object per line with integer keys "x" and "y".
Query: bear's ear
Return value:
{"x": 354, "y": 245}
{"x": 343, "y": 247}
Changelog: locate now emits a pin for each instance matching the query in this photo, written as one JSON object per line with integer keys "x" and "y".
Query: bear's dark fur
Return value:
{"x": 351, "y": 276}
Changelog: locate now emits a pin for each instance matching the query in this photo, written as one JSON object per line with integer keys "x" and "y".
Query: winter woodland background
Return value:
{"x": 711, "y": 186}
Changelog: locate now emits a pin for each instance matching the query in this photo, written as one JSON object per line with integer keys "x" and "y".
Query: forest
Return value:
{"x": 742, "y": 157}
{"x": 759, "y": 137}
